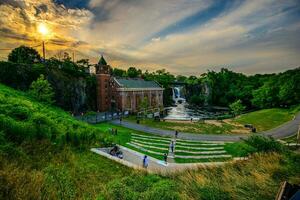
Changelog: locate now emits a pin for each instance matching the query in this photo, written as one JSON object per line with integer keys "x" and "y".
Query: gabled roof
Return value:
{"x": 136, "y": 83}
{"x": 102, "y": 61}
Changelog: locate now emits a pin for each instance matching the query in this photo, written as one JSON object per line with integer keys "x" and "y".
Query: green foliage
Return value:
{"x": 132, "y": 72}
{"x": 59, "y": 183}
{"x": 148, "y": 187}
{"x": 237, "y": 107}
{"x": 264, "y": 144}
{"x": 18, "y": 75}
{"x": 144, "y": 104}
{"x": 119, "y": 72}
{"x": 42, "y": 90}
{"x": 197, "y": 100}
{"x": 25, "y": 119}
{"x": 24, "y": 55}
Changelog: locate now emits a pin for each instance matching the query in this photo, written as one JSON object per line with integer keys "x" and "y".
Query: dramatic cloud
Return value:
{"x": 183, "y": 36}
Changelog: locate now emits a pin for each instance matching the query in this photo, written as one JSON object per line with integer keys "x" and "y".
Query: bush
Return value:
{"x": 264, "y": 144}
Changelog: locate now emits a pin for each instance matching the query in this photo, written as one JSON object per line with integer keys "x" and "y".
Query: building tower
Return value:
{"x": 103, "y": 75}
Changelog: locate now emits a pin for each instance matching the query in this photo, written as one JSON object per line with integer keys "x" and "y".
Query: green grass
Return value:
{"x": 263, "y": 120}
{"x": 202, "y": 160}
{"x": 291, "y": 139}
{"x": 196, "y": 127}
{"x": 48, "y": 165}
{"x": 268, "y": 118}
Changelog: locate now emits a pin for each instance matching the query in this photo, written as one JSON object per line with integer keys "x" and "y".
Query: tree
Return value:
{"x": 118, "y": 72}
{"x": 144, "y": 104}
{"x": 237, "y": 107}
{"x": 132, "y": 72}
{"x": 197, "y": 100}
{"x": 266, "y": 96}
{"x": 23, "y": 54}
{"x": 42, "y": 90}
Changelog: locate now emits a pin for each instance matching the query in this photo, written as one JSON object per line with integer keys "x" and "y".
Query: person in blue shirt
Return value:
{"x": 145, "y": 161}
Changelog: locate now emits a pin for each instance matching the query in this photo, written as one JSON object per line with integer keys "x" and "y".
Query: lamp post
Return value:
{"x": 43, "y": 30}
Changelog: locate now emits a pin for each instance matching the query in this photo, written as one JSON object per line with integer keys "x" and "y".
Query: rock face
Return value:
{"x": 206, "y": 90}
{"x": 75, "y": 94}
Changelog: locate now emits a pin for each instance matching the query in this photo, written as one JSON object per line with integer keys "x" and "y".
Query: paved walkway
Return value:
{"x": 134, "y": 159}
{"x": 285, "y": 130}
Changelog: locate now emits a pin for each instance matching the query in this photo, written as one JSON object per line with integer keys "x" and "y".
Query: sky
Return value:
{"x": 186, "y": 37}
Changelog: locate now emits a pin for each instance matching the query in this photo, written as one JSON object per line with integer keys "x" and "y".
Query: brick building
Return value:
{"x": 122, "y": 94}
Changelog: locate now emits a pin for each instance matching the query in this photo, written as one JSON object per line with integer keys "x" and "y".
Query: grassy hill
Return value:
{"x": 267, "y": 119}
{"x": 44, "y": 154}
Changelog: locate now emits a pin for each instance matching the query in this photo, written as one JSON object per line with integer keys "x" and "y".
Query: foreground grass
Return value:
{"x": 268, "y": 118}
{"x": 61, "y": 172}
{"x": 51, "y": 160}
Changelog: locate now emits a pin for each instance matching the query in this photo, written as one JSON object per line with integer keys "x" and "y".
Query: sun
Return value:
{"x": 43, "y": 29}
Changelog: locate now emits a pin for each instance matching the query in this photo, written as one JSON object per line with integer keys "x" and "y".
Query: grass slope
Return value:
{"x": 268, "y": 118}
{"x": 41, "y": 166}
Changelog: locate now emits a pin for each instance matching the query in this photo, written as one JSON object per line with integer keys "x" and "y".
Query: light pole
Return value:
{"x": 43, "y": 29}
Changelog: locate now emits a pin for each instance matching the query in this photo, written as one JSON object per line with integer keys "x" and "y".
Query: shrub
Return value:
{"x": 264, "y": 144}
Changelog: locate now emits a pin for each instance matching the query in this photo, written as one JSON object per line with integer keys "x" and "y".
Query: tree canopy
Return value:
{"x": 25, "y": 55}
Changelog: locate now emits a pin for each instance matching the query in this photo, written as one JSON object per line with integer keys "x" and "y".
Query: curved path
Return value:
{"x": 287, "y": 129}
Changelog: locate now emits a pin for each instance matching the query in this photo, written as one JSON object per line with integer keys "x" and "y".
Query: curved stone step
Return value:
{"x": 149, "y": 146}
{"x": 204, "y": 157}
{"x": 145, "y": 150}
{"x": 150, "y": 143}
{"x": 152, "y": 137}
{"x": 198, "y": 145}
{"x": 200, "y": 148}
{"x": 200, "y": 152}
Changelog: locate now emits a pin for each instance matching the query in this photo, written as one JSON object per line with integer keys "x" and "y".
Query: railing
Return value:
{"x": 102, "y": 117}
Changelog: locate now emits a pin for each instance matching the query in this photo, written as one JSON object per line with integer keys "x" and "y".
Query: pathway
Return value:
{"x": 285, "y": 130}
{"x": 134, "y": 159}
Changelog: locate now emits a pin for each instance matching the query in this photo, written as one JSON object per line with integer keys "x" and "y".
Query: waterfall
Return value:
{"x": 177, "y": 96}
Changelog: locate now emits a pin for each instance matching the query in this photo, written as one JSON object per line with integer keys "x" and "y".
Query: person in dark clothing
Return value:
{"x": 165, "y": 158}
{"x": 172, "y": 146}
{"x": 176, "y": 134}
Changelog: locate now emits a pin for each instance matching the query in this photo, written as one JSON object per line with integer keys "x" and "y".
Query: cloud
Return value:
{"x": 249, "y": 36}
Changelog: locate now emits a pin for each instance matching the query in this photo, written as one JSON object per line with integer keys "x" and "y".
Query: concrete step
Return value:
{"x": 200, "y": 152}
{"x": 204, "y": 157}
{"x": 145, "y": 150}
{"x": 151, "y": 137}
{"x": 149, "y": 146}
{"x": 150, "y": 143}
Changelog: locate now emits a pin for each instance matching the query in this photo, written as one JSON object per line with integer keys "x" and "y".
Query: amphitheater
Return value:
{"x": 185, "y": 151}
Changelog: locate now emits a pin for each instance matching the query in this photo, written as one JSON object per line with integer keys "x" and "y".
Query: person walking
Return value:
{"x": 176, "y": 134}
{"x": 145, "y": 161}
{"x": 172, "y": 146}
{"x": 165, "y": 158}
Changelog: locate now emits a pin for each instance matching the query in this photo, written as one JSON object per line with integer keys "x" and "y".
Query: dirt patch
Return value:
{"x": 242, "y": 131}
{"x": 231, "y": 122}
{"x": 180, "y": 122}
{"x": 213, "y": 122}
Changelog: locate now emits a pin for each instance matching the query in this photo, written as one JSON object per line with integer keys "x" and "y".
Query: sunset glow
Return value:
{"x": 43, "y": 29}
{"x": 182, "y": 36}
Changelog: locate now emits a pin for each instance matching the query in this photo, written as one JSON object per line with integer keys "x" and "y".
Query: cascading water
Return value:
{"x": 181, "y": 109}
{"x": 177, "y": 96}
